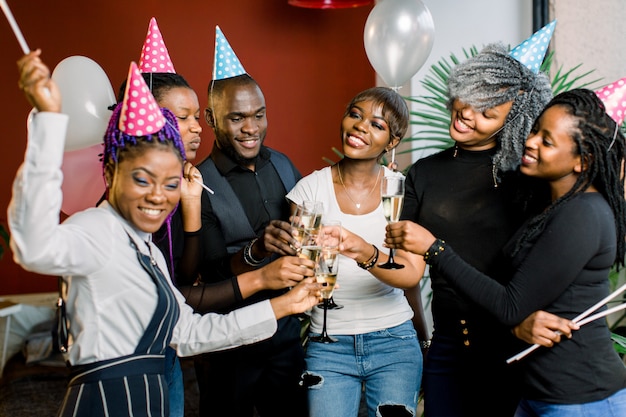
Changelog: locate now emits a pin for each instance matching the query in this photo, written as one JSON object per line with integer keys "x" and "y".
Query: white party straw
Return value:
{"x": 199, "y": 182}
{"x": 576, "y": 320}
{"x": 602, "y": 314}
{"x": 14, "y": 26}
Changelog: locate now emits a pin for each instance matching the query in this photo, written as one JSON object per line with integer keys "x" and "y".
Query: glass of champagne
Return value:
{"x": 326, "y": 269}
{"x": 306, "y": 221}
{"x": 392, "y": 192}
{"x": 333, "y": 226}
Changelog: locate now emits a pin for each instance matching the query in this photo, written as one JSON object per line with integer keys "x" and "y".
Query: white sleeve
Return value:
{"x": 195, "y": 333}
{"x": 309, "y": 188}
{"x": 39, "y": 243}
{"x": 36, "y": 202}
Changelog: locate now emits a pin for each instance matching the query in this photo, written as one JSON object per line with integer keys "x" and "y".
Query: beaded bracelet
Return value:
{"x": 369, "y": 264}
{"x": 435, "y": 249}
{"x": 247, "y": 254}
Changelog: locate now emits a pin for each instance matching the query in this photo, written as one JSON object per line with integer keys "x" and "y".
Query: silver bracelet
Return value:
{"x": 247, "y": 254}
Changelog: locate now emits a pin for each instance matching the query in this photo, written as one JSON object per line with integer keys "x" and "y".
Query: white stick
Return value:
{"x": 602, "y": 314}
{"x": 576, "y": 320}
{"x": 14, "y": 26}
{"x": 600, "y": 303}
{"x": 197, "y": 181}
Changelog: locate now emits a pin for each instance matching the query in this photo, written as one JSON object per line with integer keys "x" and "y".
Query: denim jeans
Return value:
{"x": 613, "y": 406}
{"x": 388, "y": 362}
{"x": 174, "y": 379}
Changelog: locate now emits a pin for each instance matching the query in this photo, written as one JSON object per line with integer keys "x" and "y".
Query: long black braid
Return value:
{"x": 601, "y": 145}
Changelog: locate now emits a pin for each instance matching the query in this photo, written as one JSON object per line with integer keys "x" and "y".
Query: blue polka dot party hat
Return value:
{"x": 532, "y": 51}
{"x": 226, "y": 64}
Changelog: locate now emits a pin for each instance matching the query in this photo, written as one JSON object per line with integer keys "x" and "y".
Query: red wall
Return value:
{"x": 308, "y": 62}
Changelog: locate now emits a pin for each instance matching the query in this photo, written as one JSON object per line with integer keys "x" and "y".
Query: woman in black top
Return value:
{"x": 561, "y": 258}
{"x": 465, "y": 195}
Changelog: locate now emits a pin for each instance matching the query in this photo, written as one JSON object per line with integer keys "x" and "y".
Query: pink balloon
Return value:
{"x": 83, "y": 184}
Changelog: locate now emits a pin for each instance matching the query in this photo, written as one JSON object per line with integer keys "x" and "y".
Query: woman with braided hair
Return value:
{"x": 467, "y": 196}
{"x": 122, "y": 309}
{"x": 560, "y": 259}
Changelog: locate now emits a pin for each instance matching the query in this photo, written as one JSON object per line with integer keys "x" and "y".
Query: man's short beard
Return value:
{"x": 230, "y": 151}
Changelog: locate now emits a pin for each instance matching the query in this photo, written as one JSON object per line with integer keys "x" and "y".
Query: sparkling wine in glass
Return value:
{"x": 392, "y": 192}
{"x": 326, "y": 269}
{"x": 306, "y": 220}
{"x": 334, "y": 227}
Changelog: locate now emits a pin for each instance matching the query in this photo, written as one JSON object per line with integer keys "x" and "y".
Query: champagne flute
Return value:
{"x": 326, "y": 269}
{"x": 333, "y": 226}
{"x": 306, "y": 220}
{"x": 392, "y": 192}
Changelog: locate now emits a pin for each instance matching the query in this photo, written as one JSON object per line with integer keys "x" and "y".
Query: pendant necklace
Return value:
{"x": 358, "y": 205}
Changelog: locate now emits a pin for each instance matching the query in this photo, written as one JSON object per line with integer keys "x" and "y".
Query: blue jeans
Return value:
{"x": 174, "y": 379}
{"x": 388, "y": 362}
{"x": 613, "y": 406}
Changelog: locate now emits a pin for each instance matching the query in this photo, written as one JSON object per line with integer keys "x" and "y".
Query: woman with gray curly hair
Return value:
{"x": 466, "y": 195}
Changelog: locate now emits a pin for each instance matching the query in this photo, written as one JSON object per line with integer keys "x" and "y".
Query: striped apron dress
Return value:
{"x": 132, "y": 385}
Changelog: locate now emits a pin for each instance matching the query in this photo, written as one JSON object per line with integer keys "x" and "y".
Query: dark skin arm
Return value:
{"x": 540, "y": 327}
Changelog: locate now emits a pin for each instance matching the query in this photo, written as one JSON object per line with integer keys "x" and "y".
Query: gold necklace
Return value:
{"x": 358, "y": 205}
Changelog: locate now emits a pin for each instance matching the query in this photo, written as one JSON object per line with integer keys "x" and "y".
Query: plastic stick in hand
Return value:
{"x": 14, "y": 26}
{"x": 197, "y": 181}
{"x": 578, "y": 320}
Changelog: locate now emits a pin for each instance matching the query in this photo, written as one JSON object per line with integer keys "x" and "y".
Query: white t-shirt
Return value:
{"x": 369, "y": 304}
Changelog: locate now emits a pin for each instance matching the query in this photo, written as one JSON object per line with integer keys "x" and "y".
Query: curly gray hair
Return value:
{"x": 492, "y": 78}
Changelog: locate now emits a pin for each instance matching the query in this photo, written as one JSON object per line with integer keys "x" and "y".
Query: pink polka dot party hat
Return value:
{"x": 154, "y": 55}
{"x": 140, "y": 114}
{"x": 614, "y": 98}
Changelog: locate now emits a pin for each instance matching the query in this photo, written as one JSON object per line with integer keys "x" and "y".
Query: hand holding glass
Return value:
{"x": 326, "y": 269}
{"x": 392, "y": 193}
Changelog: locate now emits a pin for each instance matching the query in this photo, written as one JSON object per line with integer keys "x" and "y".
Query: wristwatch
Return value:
{"x": 425, "y": 344}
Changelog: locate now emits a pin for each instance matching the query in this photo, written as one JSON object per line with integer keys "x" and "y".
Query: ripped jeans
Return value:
{"x": 388, "y": 362}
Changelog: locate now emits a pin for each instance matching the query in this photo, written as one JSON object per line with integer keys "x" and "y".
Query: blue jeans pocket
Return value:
{"x": 402, "y": 331}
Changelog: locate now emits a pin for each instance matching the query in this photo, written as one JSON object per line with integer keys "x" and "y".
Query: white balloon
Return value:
{"x": 398, "y": 38}
{"x": 86, "y": 94}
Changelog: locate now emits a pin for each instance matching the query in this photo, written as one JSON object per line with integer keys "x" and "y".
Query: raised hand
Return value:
{"x": 40, "y": 90}
{"x": 191, "y": 189}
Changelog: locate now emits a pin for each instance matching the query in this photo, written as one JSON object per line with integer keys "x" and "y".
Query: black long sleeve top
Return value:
{"x": 564, "y": 271}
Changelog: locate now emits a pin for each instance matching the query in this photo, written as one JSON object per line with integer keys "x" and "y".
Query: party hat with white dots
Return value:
{"x": 154, "y": 55}
{"x": 140, "y": 114}
{"x": 532, "y": 51}
{"x": 614, "y": 98}
{"x": 225, "y": 64}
